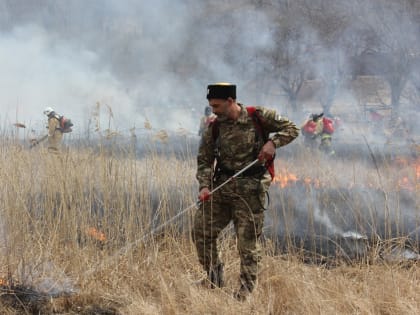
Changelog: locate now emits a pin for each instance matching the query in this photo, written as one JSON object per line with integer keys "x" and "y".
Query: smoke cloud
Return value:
{"x": 144, "y": 61}
{"x": 153, "y": 61}
{"x": 39, "y": 72}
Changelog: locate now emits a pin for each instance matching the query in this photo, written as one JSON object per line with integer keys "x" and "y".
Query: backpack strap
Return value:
{"x": 257, "y": 119}
{"x": 214, "y": 125}
{"x": 214, "y": 129}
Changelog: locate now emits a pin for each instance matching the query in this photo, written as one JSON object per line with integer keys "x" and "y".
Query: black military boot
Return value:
{"x": 243, "y": 292}
{"x": 247, "y": 286}
{"x": 216, "y": 276}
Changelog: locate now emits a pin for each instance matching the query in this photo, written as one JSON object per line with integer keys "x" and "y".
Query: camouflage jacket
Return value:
{"x": 237, "y": 144}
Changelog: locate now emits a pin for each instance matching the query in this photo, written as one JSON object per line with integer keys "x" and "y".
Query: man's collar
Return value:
{"x": 243, "y": 116}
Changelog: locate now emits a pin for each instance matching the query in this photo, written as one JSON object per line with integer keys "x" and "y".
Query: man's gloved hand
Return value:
{"x": 204, "y": 194}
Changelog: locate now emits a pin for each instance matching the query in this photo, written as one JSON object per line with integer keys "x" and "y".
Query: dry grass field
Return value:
{"x": 76, "y": 239}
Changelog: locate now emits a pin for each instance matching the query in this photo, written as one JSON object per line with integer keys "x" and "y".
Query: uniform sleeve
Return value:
{"x": 280, "y": 129}
{"x": 205, "y": 159}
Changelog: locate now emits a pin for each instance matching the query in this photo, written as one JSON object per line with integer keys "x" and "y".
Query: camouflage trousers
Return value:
{"x": 241, "y": 201}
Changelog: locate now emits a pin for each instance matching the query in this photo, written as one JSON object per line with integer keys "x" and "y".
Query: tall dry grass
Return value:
{"x": 50, "y": 204}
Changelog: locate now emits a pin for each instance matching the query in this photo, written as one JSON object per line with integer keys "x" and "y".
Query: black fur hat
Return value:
{"x": 221, "y": 90}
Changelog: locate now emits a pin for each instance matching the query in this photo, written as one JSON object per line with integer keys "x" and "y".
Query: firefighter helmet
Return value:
{"x": 48, "y": 111}
{"x": 316, "y": 117}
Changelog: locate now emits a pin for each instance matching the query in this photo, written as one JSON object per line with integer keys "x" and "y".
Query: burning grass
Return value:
{"x": 75, "y": 239}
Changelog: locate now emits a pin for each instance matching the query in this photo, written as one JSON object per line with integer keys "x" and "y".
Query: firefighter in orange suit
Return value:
{"x": 319, "y": 127}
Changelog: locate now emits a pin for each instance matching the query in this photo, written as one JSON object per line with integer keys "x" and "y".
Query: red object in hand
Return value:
{"x": 204, "y": 197}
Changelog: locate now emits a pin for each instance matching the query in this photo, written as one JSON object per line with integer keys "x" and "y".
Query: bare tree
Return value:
{"x": 330, "y": 19}
{"x": 294, "y": 51}
{"x": 396, "y": 32}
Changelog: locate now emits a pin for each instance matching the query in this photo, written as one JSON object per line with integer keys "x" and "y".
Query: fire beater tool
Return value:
{"x": 126, "y": 248}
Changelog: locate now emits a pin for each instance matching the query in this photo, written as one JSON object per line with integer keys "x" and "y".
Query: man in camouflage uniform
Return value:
{"x": 241, "y": 200}
{"x": 55, "y": 134}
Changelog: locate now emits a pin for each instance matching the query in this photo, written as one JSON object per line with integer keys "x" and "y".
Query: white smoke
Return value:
{"x": 145, "y": 61}
{"x": 41, "y": 71}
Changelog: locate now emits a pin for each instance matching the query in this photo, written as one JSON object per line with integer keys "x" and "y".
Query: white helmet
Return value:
{"x": 48, "y": 111}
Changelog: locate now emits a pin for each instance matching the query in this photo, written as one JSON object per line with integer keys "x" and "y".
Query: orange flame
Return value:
{"x": 409, "y": 182}
{"x": 285, "y": 178}
{"x": 96, "y": 234}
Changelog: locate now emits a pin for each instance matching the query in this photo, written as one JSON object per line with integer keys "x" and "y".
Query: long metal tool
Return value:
{"x": 126, "y": 248}
{"x": 234, "y": 176}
